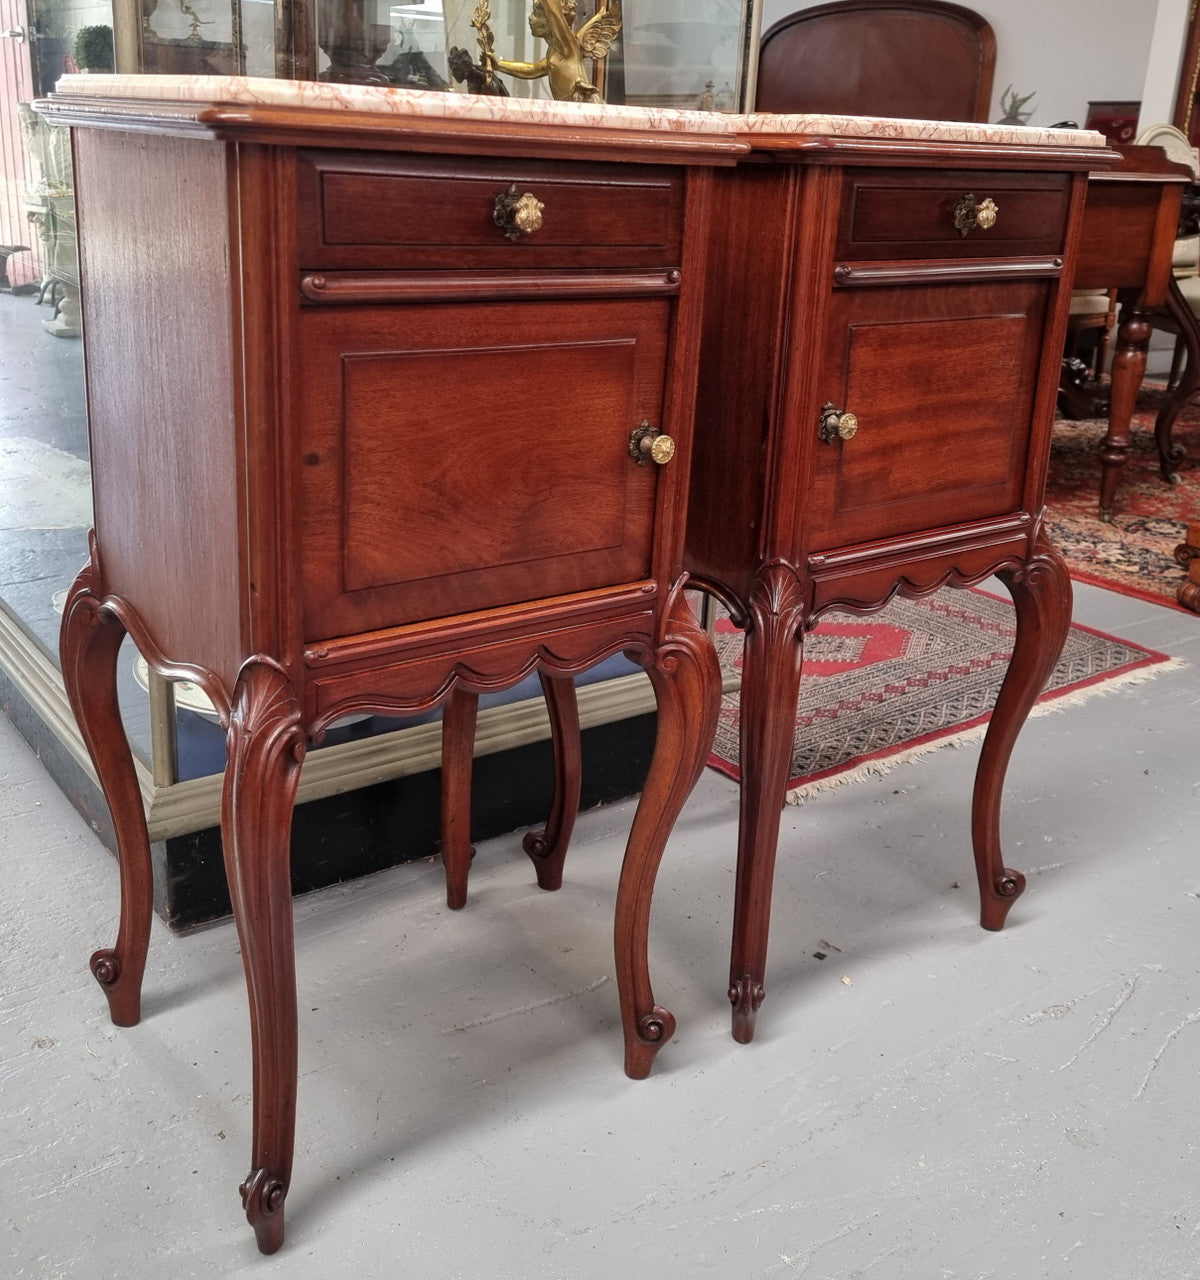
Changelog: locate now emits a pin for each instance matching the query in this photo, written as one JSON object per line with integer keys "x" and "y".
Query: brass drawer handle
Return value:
{"x": 968, "y": 214}
{"x": 648, "y": 444}
{"x": 836, "y": 425}
{"x": 517, "y": 215}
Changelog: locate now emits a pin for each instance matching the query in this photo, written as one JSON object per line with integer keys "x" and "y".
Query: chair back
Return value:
{"x": 922, "y": 59}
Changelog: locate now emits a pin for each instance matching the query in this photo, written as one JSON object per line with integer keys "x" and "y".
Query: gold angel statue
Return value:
{"x": 554, "y": 21}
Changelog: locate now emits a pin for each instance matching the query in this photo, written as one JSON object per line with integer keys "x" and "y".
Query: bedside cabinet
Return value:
{"x": 878, "y": 382}
{"x": 391, "y": 403}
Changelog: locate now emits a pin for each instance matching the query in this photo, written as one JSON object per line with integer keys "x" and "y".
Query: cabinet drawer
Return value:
{"x": 430, "y": 212}
{"x": 910, "y": 214}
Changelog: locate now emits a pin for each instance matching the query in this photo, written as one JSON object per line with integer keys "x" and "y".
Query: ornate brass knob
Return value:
{"x": 836, "y": 425}
{"x": 517, "y": 215}
{"x": 648, "y": 444}
{"x": 969, "y": 214}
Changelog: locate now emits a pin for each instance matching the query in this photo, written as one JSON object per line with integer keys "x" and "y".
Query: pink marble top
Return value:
{"x": 250, "y": 90}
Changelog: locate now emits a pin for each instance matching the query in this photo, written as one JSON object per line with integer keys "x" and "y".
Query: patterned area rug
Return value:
{"x": 1135, "y": 553}
{"x": 919, "y": 674}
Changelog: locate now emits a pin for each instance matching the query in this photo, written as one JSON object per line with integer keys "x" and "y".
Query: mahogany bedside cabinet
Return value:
{"x": 886, "y": 305}
{"x": 391, "y": 401}
{"x": 877, "y": 392}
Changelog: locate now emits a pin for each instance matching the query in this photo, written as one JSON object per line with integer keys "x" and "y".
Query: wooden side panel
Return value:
{"x": 745, "y": 328}
{"x": 159, "y": 317}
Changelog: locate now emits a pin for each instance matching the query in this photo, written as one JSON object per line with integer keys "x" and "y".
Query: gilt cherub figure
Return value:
{"x": 563, "y": 65}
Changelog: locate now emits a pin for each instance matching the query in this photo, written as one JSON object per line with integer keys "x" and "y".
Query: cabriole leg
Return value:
{"x": 460, "y": 712}
{"x": 771, "y": 664}
{"x": 89, "y": 642}
{"x": 687, "y": 684}
{"x": 1041, "y": 592}
{"x": 548, "y": 848}
{"x": 266, "y": 748}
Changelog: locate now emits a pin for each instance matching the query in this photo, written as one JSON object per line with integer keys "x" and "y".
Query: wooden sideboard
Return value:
{"x": 383, "y": 412}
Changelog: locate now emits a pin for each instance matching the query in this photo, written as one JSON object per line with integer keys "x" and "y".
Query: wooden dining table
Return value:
{"x": 1130, "y": 222}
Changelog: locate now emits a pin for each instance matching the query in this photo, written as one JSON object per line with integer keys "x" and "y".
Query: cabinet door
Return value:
{"x": 942, "y": 381}
{"x": 457, "y": 457}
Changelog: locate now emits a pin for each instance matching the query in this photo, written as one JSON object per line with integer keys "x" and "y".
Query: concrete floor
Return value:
{"x": 930, "y": 1101}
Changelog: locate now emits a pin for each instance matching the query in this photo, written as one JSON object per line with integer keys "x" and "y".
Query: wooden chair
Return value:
{"x": 917, "y": 59}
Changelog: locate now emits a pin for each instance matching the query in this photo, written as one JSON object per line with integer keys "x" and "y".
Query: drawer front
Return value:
{"x": 942, "y": 381}
{"x": 903, "y": 214}
{"x": 464, "y": 457}
{"x": 428, "y": 212}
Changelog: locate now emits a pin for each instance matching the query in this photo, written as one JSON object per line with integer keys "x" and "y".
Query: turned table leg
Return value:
{"x": 89, "y": 642}
{"x": 547, "y": 848}
{"x": 771, "y": 664}
{"x": 687, "y": 684}
{"x": 266, "y": 747}
{"x": 1041, "y": 592}
{"x": 460, "y": 712}
{"x": 1128, "y": 370}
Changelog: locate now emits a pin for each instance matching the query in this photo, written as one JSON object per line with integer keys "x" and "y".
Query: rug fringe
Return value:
{"x": 884, "y": 765}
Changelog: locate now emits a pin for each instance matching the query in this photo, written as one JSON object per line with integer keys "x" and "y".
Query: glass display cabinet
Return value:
{"x": 372, "y": 784}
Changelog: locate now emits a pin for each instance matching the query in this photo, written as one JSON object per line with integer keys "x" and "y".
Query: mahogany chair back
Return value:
{"x": 917, "y": 59}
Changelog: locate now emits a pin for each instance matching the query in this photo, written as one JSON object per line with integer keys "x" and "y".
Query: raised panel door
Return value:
{"x": 941, "y": 380}
{"x": 458, "y": 457}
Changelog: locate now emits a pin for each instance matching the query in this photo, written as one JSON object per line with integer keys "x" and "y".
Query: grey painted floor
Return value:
{"x": 931, "y": 1101}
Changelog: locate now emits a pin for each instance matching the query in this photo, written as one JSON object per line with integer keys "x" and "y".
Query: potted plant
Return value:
{"x": 94, "y": 49}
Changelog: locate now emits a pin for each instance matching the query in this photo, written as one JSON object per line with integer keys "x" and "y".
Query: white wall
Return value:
{"x": 1067, "y": 52}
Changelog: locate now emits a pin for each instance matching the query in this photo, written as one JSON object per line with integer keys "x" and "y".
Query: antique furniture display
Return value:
{"x": 918, "y": 58}
{"x": 403, "y": 413}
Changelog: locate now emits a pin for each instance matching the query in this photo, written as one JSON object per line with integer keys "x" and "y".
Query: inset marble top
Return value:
{"x": 754, "y": 127}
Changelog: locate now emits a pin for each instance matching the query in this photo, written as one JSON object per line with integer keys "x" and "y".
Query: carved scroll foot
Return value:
{"x": 772, "y": 660}
{"x": 459, "y": 715}
{"x": 687, "y": 684}
{"x": 89, "y": 641}
{"x": 548, "y": 848}
{"x": 262, "y": 1197}
{"x": 653, "y": 1031}
{"x": 746, "y": 996}
{"x": 1041, "y": 592}
{"x": 266, "y": 748}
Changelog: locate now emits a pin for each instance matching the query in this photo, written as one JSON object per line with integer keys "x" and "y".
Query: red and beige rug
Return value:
{"x": 886, "y": 688}
{"x": 1135, "y": 553}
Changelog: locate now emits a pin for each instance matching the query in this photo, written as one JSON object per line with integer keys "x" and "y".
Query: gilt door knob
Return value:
{"x": 517, "y": 214}
{"x": 837, "y": 425}
{"x": 648, "y": 444}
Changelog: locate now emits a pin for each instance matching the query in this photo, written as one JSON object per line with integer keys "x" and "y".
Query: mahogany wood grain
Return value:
{"x": 1041, "y": 590}
{"x": 890, "y": 214}
{"x": 948, "y": 374}
{"x": 547, "y": 848}
{"x": 1128, "y": 235}
{"x": 686, "y": 676}
{"x": 90, "y": 642}
{"x": 396, "y": 500}
{"x": 459, "y": 713}
{"x": 266, "y": 746}
{"x": 378, "y": 212}
{"x": 916, "y": 59}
